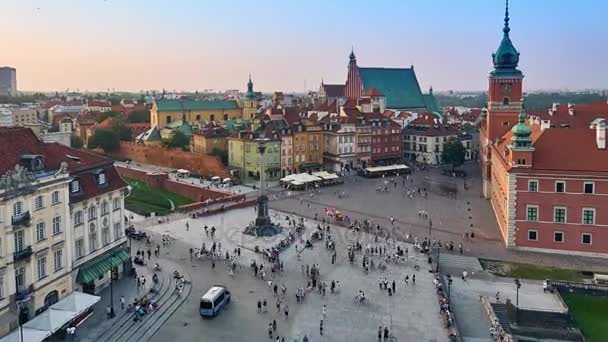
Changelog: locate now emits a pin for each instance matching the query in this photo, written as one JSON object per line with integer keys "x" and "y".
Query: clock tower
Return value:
{"x": 505, "y": 95}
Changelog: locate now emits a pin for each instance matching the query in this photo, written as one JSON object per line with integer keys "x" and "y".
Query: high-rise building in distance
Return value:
{"x": 8, "y": 81}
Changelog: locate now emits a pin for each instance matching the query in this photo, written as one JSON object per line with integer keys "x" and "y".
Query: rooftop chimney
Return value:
{"x": 544, "y": 124}
{"x": 600, "y": 135}
{"x": 570, "y": 109}
{"x": 555, "y": 105}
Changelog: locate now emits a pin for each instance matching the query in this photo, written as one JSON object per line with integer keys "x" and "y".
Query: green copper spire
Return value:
{"x": 250, "y": 94}
{"x": 521, "y": 131}
{"x": 352, "y": 57}
{"x": 506, "y": 56}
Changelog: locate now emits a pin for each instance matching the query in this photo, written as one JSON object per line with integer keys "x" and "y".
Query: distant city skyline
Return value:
{"x": 190, "y": 45}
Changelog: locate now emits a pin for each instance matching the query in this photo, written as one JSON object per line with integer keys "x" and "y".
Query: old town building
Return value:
{"x": 244, "y": 157}
{"x": 546, "y": 175}
{"x": 210, "y": 139}
{"x": 424, "y": 137}
{"x": 339, "y": 146}
{"x": 62, "y": 212}
{"x": 386, "y": 139}
{"x": 200, "y": 112}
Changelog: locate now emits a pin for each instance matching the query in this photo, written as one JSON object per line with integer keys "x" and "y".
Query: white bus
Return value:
{"x": 214, "y": 300}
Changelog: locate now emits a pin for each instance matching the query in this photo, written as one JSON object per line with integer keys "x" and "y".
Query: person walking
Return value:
{"x": 394, "y": 286}
{"x": 264, "y": 306}
{"x": 286, "y": 311}
{"x": 149, "y": 254}
{"x": 122, "y": 302}
{"x": 460, "y": 247}
{"x": 321, "y": 328}
{"x": 187, "y": 226}
{"x": 109, "y": 312}
{"x": 385, "y": 333}
{"x": 259, "y": 306}
{"x": 270, "y": 331}
{"x": 379, "y": 333}
{"x": 413, "y": 279}
{"x": 324, "y": 312}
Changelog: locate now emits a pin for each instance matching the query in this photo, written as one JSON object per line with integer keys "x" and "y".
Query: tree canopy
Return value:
{"x": 123, "y": 132}
{"x": 142, "y": 115}
{"x": 178, "y": 140}
{"x": 453, "y": 153}
{"x": 222, "y": 154}
{"x": 75, "y": 141}
{"x": 108, "y": 140}
{"x": 109, "y": 114}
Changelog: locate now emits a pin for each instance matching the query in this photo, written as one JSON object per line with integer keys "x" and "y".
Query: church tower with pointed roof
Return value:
{"x": 505, "y": 94}
{"x": 250, "y": 102}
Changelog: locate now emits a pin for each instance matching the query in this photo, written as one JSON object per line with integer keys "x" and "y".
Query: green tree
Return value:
{"x": 179, "y": 140}
{"x": 453, "y": 153}
{"x": 114, "y": 100}
{"x": 222, "y": 154}
{"x": 142, "y": 115}
{"x": 110, "y": 114}
{"x": 120, "y": 128}
{"x": 75, "y": 141}
{"x": 108, "y": 140}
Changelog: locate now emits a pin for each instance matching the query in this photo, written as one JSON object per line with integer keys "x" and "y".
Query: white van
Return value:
{"x": 214, "y": 300}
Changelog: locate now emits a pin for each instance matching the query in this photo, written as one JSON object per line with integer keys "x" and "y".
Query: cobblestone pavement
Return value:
{"x": 412, "y": 314}
{"x": 451, "y": 217}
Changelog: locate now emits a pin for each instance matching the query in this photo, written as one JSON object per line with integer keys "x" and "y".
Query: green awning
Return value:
{"x": 100, "y": 266}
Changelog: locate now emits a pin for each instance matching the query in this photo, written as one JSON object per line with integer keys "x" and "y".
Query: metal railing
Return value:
{"x": 23, "y": 253}
{"x": 21, "y": 219}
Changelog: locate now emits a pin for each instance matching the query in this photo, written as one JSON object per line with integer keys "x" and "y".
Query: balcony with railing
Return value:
{"x": 22, "y": 219}
{"x": 23, "y": 253}
{"x": 24, "y": 293}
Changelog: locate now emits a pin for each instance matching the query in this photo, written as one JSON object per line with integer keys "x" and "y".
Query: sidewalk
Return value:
{"x": 127, "y": 287}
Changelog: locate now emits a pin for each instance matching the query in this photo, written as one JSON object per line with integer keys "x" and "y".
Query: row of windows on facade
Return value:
{"x": 41, "y": 271}
{"x": 93, "y": 240}
{"x": 560, "y": 214}
{"x": 385, "y": 131}
{"x": 311, "y": 137}
{"x": 385, "y": 139}
{"x": 585, "y": 239}
{"x": 386, "y": 149}
{"x": 198, "y": 118}
{"x": 92, "y": 211}
{"x": 560, "y": 186}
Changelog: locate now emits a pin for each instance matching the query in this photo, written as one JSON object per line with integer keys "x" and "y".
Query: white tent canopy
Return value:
{"x": 326, "y": 175}
{"x": 54, "y": 318}
{"x": 29, "y": 335}
{"x": 50, "y": 320}
{"x": 76, "y": 302}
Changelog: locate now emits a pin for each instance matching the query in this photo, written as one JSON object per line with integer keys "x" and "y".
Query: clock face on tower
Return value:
{"x": 505, "y": 89}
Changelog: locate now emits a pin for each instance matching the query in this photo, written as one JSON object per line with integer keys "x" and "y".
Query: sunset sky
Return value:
{"x": 200, "y": 44}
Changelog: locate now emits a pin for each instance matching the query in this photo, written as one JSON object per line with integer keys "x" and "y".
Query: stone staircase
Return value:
{"x": 500, "y": 310}
{"x": 126, "y": 329}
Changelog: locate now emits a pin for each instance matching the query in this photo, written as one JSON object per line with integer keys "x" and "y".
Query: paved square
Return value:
{"x": 412, "y": 314}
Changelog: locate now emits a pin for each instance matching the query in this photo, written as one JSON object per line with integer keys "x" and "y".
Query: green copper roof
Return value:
{"x": 521, "y": 131}
{"x": 185, "y": 128}
{"x": 506, "y": 56}
{"x": 399, "y": 86}
{"x": 181, "y": 105}
{"x": 431, "y": 103}
{"x": 250, "y": 94}
{"x": 151, "y": 135}
{"x": 233, "y": 126}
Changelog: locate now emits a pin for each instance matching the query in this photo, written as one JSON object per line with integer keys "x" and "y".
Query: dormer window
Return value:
{"x": 101, "y": 179}
{"x": 75, "y": 186}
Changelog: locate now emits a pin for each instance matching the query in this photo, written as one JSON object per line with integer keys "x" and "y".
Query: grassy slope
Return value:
{"x": 144, "y": 200}
{"x": 591, "y": 315}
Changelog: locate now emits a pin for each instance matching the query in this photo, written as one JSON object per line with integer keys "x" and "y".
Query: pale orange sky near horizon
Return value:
{"x": 186, "y": 45}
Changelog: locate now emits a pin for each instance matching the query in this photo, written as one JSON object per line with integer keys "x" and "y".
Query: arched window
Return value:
{"x": 225, "y": 117}
{"x": 51, "y": 298}
{"x": 505, "y": 101}
{"x": 168, "y": 119}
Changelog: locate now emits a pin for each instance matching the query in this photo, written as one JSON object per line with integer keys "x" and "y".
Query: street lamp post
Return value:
{"x": 518, "y": 286}
{"x": 449, "y": 287}
{"x": 111, "y": 291}
{"x": 438, "y": 254}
